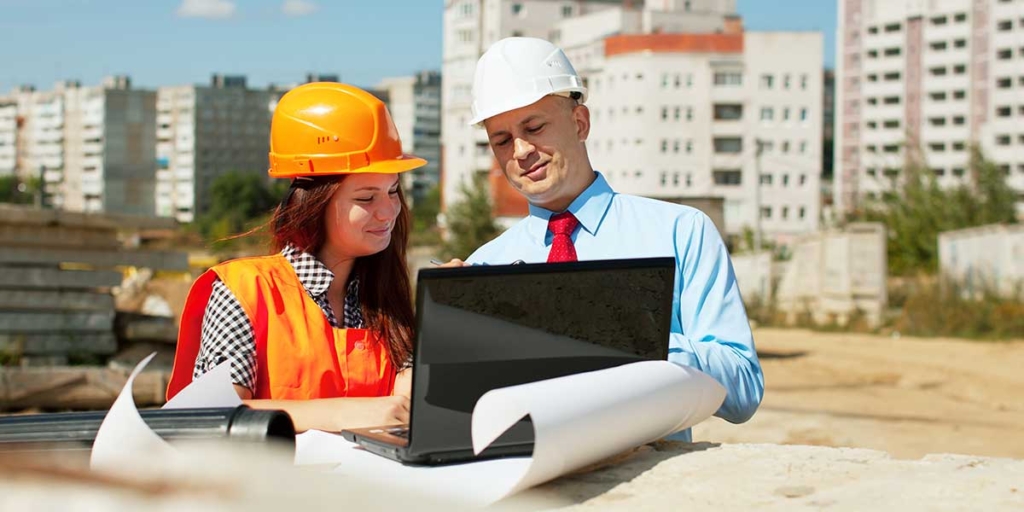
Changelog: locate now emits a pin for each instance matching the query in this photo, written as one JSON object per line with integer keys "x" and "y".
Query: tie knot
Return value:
{"x": 562, "y": 224}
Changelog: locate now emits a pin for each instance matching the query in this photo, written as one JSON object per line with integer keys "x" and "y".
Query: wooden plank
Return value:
{"x": 12, "y": 214}
{"x": 55, "y": 300}
{"x": 27, "y": 235}
{"x": 103, "y": 343}
{"x": 21, "y": 322}
{"x": 55, "y": 278}
{"x": 160, "y": 260}
{"x": 134, "y": 327}
{"x": 76, "y": 387}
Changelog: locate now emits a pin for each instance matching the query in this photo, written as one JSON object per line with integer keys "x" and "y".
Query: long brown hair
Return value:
{"x": 385, "y": 294}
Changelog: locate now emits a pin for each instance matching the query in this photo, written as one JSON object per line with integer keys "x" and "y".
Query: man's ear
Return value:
{"x": 581, "y": 116}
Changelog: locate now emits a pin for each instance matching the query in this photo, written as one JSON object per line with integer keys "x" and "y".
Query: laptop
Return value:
{"x": 486, "y": 327}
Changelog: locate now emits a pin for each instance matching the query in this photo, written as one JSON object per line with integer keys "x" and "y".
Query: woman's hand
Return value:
{"x": 370, "y": 412}
{"x": 337, "y": 414}
{"x": 403, "y": 383}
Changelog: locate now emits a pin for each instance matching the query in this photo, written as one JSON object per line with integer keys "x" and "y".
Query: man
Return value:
{"x": 528, "y": 97}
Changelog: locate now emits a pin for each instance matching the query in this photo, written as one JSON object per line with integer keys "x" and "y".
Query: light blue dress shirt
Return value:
{"x": 710, "y": 330}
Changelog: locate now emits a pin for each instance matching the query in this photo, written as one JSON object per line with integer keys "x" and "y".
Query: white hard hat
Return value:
{"x": 519, "y": 71}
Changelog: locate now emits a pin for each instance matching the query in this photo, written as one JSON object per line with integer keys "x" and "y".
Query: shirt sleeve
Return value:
{"x": 227, "y": 335}
{"x": 716, "y": 337}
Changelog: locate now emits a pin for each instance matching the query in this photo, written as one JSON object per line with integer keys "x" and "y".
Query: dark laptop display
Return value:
{"x": 486, "y": 327}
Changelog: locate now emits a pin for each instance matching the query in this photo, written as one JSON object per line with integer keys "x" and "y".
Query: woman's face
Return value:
{"x": 362, "y": 213}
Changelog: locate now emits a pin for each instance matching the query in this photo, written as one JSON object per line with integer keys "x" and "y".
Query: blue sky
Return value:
{"x": 171, "y": 42}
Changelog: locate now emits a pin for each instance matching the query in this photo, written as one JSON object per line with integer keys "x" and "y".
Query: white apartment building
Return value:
{"x": 8, "y": 136}
{"x": 926, "y": 80}
{"x": 204, "y": 132}
{"x": 679, "y": 96}
{"x": 677, "y": 116}
{"x": 92, "y": 146}
{"x": 415, "y": 105}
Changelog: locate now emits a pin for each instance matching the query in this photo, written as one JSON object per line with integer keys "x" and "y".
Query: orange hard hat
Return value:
{"x": 327, "y": 128}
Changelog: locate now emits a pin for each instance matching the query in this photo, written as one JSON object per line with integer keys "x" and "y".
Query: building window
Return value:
{"x": 938, "y": 45}
{"x": 892, "y": 52}
{"x": 767, "y": 81}
{"x": 892, "y": 77}
{"x": 664, "y": 80}
{"x": 891, "y": 148}
{"x": 1004, "y": 25}
{"x": 785, "y": 114}
{"x": 675, "y": 113}
{"x": 803, "y": 81}
{"x": 938, "y": 171}
{"x": 872, "y": 30}
{"x": 937, "y": 121}
{"x": 803, "y": 179}
{"x": 937, "y": 96}
{"x": 728, "y": 112}
{"x": 803, "y": 114}
{"x": 465, "y": 36}
{"x": 766, "y": 212}
{"x": 730, "y": 177}
{"x": 785, "y": 81}
{"x": 677, "y": 81}
{"x": 1002, "y": 140}
{"x": 675, "y": 179}
{"x": 689, "y": 77}
{"x": 767, "y": 113}
{"x": 675, "y": 146}
{"x": 891, "y": 123}
{"x": 785, "y": 212}
{"x": 938, "y": 71}
{"x": 939, "y": 20}
{"x": 1004, "y": 111}
{"x": 518, "y": 10}
{"x": 766, "y": 179}
{"x": 958, "y": 171}
{"x": 960, "y": 69}
{"x": 1004, "y": 54}
{"x": 729, "y": 145}
{"x": 566, "y": 11}
{"x": 664, "y": 113}
{"x": 689, "y": 113}
{"x": 959, "y": 95}
{"x": 959, "y": 120}
{"x": 893, "y": 27}
{"x": 689, "y": 147}
{"x": 664, "y": 145}
{"x": 728, "y": 78}
{"x": 872, "y": 54}
{"x": 959, "y": 43}
{"x": 802, "y": 212}
{"x": 960, "y": 18}
{"x": 937, "y": 147}
{"x": 803, "y": 146}
{"x": 664, "y": 178}
{"x": 959, "y": 146}
{"x": 689, "y": 180}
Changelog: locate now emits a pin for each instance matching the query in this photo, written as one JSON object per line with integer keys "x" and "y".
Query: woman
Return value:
{"x": 321, "y": 328}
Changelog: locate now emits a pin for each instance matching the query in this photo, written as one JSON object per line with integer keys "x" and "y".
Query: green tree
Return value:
{"x": 470, "y": 221}
{"x": 922, "y": 209}
{"x": 424, "y": 219}
{"x": 238, "y": 201}
{"x": 13, "y": 190}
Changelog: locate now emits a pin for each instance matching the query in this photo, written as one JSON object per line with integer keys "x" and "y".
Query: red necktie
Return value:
{"x": 562, "y": 226}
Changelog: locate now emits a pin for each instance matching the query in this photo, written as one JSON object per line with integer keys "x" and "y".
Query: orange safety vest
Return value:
{"x": 299, "y": 355}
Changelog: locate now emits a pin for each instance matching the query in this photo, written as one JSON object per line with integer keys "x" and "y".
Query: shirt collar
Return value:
{"x": 589, "y": 208}
{"x": 315, "y": 277}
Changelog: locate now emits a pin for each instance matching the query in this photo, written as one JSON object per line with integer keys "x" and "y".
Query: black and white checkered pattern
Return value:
{"x": 227, "y": 334}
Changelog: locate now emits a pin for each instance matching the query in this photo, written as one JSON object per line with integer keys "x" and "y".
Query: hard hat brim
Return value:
{"x": 291, "y": 168}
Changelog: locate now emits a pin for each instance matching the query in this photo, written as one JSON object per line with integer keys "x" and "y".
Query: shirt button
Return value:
{"x": 360, "y": 345}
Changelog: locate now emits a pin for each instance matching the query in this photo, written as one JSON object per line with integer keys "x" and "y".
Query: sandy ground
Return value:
{"x": 908, "y": 396}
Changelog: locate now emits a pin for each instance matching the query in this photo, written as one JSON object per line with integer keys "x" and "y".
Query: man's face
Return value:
{"x": 540, "y": 149}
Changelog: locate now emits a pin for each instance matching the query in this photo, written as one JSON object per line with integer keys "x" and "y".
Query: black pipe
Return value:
{"x": 77, "y": 430}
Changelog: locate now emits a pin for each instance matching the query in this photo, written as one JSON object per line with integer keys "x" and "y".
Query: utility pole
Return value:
{"x": 757, "y": 195}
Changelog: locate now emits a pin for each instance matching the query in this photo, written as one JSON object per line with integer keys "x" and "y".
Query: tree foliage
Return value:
{"x": 470, "y": 221}
{"x": 923, "y": 208}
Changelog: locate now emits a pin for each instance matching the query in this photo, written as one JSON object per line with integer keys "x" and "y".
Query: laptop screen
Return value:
{"x": 485, "y": 327}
